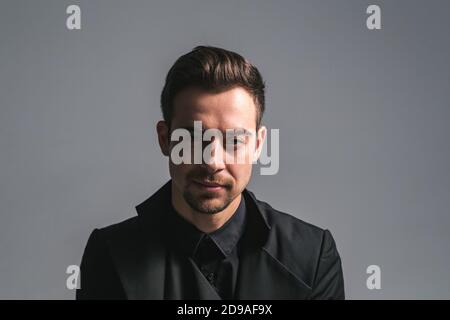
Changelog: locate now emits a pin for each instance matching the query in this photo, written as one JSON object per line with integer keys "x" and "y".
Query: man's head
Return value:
{"x": 224, "y": 91}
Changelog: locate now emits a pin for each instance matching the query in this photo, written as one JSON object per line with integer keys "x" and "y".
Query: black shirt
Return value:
{"x": 217, "y": 253}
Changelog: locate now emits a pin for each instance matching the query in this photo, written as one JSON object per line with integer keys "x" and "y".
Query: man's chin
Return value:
{"x": 210, "y": 207}
{"x": 206, "y": 204}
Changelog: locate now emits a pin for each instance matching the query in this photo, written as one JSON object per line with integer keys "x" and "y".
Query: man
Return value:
{"x": 203, "y": 235}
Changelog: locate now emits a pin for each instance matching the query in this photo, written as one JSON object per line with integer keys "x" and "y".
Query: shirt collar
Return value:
{"x": 187, "y": 237}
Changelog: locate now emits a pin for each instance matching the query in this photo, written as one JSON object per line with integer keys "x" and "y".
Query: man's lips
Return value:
{"x": 209, "y": 185}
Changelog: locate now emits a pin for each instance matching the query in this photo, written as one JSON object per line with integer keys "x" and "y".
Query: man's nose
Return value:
{"x": 214, "y": 157}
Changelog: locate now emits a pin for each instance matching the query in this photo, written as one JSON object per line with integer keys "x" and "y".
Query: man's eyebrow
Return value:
{"x": 242, "y": 131}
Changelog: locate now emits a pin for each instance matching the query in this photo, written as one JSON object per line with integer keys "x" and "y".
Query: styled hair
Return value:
{"x": 214, "y": 70}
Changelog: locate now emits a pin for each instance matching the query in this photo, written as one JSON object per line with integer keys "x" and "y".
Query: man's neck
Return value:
{"x": 203, "y": 221}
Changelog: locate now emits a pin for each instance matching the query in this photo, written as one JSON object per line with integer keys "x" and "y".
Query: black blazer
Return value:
{"x": 283, "y": 258}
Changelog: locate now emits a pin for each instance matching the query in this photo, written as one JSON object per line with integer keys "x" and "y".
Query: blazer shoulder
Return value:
{"x": 100, "y": 278}
{"x": 120, "y": 231}
{"x": 293, "y": 227}
{"x": 300, "y": 245}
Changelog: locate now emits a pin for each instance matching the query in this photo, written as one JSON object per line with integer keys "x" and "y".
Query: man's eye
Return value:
{"x": 237, "y": 141}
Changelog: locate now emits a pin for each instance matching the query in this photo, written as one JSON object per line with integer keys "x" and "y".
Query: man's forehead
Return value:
{"x": 232, "y": 108}
{"x": 224, "y": 115}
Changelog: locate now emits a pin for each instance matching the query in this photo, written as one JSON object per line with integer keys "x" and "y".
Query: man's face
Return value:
{"x": 210, "y": 186}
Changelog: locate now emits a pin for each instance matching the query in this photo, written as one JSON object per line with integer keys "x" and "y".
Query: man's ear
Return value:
{"x": 260, "y": 138}
{"x": 163, "y": 137}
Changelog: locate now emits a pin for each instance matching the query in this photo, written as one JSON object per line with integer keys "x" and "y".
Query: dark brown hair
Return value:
{"x": 215, "y": 70}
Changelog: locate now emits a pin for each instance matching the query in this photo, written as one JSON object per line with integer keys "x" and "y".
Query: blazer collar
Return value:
{"x": 263, "y": 273}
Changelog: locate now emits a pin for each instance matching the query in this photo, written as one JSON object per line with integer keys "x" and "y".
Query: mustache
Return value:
{"x": 208, "y": 178}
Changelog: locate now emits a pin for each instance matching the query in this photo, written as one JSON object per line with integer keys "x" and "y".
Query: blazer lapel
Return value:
{"x": 263, "y": 274}
{"x": 139, "y": 257}
{"x": 204, "y": 288}
{"x": 143, "y": 267}
{"x": 145, "y": 270}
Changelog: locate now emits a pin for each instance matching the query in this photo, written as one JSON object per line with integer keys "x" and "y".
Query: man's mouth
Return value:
{"x": 209, "y": 186}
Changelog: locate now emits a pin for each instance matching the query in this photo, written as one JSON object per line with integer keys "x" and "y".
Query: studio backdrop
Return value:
{"x": 358, "y": 91}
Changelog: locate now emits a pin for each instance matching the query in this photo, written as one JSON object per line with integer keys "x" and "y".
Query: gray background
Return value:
{"x": 363, "y": 118}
